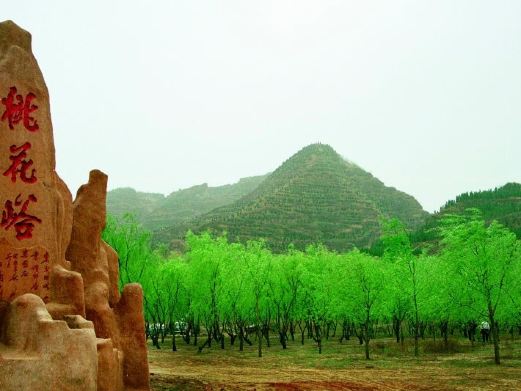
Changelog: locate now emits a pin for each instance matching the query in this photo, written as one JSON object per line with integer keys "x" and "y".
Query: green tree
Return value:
{"x": 407, "y": 271}
{"x": 132, "y": 243}
{"x": 484, "y": 260}
{"x": 206, "y": 260}
{"x": 285, "y": 286}
{"x": 363, "y": 292}
{"x": 258, "y": 266}
{"x": 319, "y": 288}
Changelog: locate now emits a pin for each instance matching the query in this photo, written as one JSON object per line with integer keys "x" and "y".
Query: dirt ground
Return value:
{"x": 339, "y": 367}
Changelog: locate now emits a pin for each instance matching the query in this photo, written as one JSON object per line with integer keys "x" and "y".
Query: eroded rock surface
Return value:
{"x": 39, "y": 353}
{"x": 119, "y": 319}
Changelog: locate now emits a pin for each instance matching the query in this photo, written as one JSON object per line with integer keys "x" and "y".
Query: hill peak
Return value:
{"x": 317, "y": 149}
{"x": 314, "y": 196}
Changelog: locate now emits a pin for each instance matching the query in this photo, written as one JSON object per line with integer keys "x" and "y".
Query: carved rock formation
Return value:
{"x": 63, "y": 323}
{"x": 96, "y": 261}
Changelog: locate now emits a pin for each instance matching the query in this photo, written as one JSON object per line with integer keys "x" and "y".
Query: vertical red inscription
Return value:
{"x": 19, "y": 165}
{"x": 18, "y": 109}
{"x": 21, "y": 270}
{"x": 22, "y": 222}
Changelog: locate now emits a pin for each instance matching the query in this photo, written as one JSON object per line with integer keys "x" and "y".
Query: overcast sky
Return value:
{"x": 162, "y": 95}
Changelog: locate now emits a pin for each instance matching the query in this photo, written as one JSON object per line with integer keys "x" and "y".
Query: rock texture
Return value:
{"x": 117, "y": 319}
{"x": 39, "y": 353}
{"x": 63, "y": 323}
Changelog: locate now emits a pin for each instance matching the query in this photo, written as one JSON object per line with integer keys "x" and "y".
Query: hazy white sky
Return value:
{"x": 162, "y": 95}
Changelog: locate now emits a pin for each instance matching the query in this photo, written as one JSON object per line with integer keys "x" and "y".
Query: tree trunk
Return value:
{"x": 366, "y": 331}
{"x": 208, "y": 343}
{"x": 396, "y": 329}
{"x": 259, "y": 328}
{"x": 259, "y": 339}
{"x": 444, "y": 328}
{"x": 327, "y": 331}
{"x": 282, "y": 339}
{"x": 495, "y": 340}
{"x": 196, "y": 330}
{"x": 317, "y": 336}
{"x": 494, "y": 328}
{"x": 155, "y": 340}
{"x": 416, "y": 328}
{"x": 174, "y": 346}
{"x": 186, "y": 336}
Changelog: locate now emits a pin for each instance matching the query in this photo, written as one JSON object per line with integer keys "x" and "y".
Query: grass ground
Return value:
{"x": 339, "y": 367}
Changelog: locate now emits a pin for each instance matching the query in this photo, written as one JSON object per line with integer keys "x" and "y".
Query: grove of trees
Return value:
{"x": 242, "y": 294}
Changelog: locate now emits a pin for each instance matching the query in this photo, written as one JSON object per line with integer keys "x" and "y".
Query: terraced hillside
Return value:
{"x": 314, "y": 196}
{"x": 155, "y": 211}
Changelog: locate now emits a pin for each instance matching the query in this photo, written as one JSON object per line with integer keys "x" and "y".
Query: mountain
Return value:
{"x": 127, "y": 200}
{"x": 155, "y": 211}
{"x": 314, "y": 196}
{"x": 502, "y": 204}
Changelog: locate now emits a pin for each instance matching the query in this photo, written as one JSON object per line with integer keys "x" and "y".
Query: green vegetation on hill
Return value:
{"x": 155, "y": 211}
{"x": 313, "y": 197}
{"x": 502, "y": 204}
{"x": 127, "y": 200}
{"x": 194, "y": 201}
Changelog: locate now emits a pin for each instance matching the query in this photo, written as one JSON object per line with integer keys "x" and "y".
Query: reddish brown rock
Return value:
{"x": 36, "y": 205}
{"x": 55, "y": 270}
{"x": 132, "y": 331}
{"x": 120, "y": 320}
{"x": 110, "y": 366}
{"x": 87, "y": 258}
{"x": 39, "y": 353}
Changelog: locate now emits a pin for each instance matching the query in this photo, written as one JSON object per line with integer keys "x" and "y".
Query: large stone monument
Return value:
{"x": 63, "y": 323}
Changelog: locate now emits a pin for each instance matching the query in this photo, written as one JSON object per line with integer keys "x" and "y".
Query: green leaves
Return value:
{"x": 231, "y": 287}
{"x": 484, "y": 261}
{"x": 132, "y": 243}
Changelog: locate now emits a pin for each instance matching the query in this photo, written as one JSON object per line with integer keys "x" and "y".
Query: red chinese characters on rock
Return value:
{"x": 15, "y": 213}
{"x": 21, "y": 221}
{"x": 19, "y": 110}
{"x": 19, "y": 165}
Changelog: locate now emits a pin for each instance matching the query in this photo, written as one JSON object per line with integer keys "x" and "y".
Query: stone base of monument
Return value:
{"x": 39, "y": 353}
{"x": 64, "y": 326}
